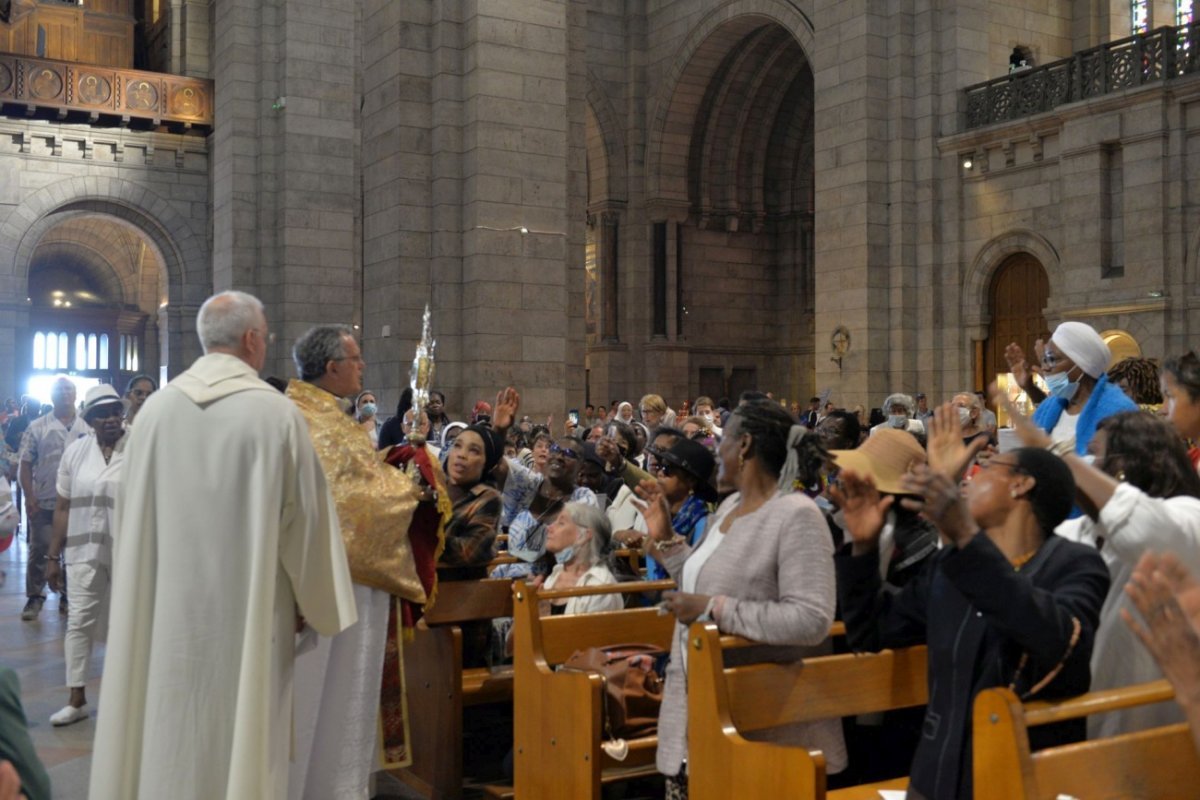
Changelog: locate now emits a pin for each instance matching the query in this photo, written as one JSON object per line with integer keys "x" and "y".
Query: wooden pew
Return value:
{"x": 557, "y": 715}
{"x": 439, "y": 687}
{"x": 726, "y": 702}
{"x": 1154, "y": 763}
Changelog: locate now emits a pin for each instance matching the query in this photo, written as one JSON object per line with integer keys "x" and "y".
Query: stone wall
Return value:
{"x": 157, "y": 184}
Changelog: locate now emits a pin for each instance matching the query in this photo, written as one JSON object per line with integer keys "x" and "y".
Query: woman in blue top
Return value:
{"x": 683, "y": 472}
{"x": 1074, "y": 363}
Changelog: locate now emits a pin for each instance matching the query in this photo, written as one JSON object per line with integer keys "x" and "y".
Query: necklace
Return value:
{"x": 1022, "y": 560}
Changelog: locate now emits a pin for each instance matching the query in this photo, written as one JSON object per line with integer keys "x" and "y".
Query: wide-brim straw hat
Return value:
{"x": 886, "y": 457}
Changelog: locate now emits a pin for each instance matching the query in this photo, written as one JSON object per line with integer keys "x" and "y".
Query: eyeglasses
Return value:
{"x": 357, "y": 358}
{"x": 267, "y": 336}
{"x": 1009, "y": 464}
{"x": 1050, "y": 360}
{"x": 565, "y": 452}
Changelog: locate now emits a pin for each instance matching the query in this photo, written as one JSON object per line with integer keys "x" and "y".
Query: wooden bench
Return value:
{"x": 557, "y": 715}
{"x": 1154, "y": 763}
{"x": 439, "y": 687}
{"x": 726, "y": 702}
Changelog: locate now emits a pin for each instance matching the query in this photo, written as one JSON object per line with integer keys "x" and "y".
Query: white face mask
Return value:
{"x": 707, "y": 417}
{"x": 898, "y": 420}
{"x": 964, "y": 416}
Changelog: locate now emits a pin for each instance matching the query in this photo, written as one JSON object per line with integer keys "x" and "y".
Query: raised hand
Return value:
{"x": 1160, "y": 587}
{"x": 1017, "y": 365}
{"x": 863, "y": 510}
{"x": 608, "y": 450}
{"x": 939, "y": 499}
{"x": 508, "y": 403}
{"x": 944, "y": 443}
{"x": 655, "y": 511}
{"x": 1031, "y": 435}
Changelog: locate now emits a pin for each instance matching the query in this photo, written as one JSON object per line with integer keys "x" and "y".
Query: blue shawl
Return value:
{"x": 688, "y": 522}
{"x": 1107, "y": 399}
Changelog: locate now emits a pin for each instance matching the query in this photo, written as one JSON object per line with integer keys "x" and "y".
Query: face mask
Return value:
{"x": 898, "y": 420}
{"x": 369, "y": 409}
{"x": 707, "y": 417}
{"x": 1061, "y": 386}
{"x": 964, "y": 416}
{"x": 565, "y": 555}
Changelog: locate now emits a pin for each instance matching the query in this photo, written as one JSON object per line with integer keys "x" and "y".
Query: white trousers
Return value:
{"x": 87, "y": 617}
{"x": 337, "y": 707}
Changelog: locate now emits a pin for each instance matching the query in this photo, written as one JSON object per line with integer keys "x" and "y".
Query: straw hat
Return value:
{"x": 886, "y": 457}
{"x": 100, "y": 395}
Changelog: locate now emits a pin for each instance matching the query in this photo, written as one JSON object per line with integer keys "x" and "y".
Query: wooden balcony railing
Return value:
{"x": 104, "y": 94}
{"x": 1152, "y": 57}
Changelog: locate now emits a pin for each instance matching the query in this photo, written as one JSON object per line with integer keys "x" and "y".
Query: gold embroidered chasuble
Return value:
{"x": 375, "y": 501}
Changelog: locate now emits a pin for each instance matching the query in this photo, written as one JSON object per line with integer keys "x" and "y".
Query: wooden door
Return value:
{"x": 1018, "y": 295}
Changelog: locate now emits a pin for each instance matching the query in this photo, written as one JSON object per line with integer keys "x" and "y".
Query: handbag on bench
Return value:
{"x": 633, "y": 690}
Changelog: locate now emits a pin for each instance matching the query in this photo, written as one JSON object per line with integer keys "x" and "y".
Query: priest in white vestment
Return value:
{"x": 338, "y": 685}
{"x": 225, "y": 530}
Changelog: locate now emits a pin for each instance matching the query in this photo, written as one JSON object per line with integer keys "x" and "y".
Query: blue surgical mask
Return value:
{"x": 898, "y": 421}
{"x": 369, "y": 409}
{"x": 565, "y": 555}
{"x": 1061, "y": 386}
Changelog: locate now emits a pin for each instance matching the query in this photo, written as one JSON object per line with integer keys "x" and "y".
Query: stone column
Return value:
{"x": 285, "y": 191}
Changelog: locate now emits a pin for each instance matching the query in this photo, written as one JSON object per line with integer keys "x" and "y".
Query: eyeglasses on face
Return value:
{"x": 565, "y": 452}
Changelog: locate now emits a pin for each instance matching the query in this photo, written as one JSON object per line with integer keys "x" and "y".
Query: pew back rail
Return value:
{"x": 1158, "y": 762}
{"x": 726, "y": 703}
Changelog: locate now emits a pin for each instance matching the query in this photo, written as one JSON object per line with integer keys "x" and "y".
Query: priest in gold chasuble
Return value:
{"x": 338, "y": 684}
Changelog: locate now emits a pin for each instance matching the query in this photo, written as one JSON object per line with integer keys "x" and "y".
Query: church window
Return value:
{"x": 1183, "y": 12}
{"x": 1139, "y": 16}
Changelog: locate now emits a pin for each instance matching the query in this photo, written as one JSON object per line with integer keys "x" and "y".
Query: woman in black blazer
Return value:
{"x": 1005, "y": 602}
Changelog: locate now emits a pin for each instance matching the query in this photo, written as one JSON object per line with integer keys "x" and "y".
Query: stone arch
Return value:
{"x": 614, "y": 182}
{"x": 182, "y": 252}
{"x": 669, "y": 129}
{"x": 978, "y": 279}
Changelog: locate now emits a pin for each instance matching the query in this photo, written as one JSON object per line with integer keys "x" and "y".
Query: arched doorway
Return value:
{"x": 1017, "y": 298}
{"x": 95, "y": 286}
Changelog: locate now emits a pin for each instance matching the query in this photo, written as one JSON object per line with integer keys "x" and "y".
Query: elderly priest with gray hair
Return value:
{"x": 226, "y": 533}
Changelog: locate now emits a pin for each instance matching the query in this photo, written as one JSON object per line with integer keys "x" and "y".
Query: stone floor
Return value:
{"x": 34, "y": 650}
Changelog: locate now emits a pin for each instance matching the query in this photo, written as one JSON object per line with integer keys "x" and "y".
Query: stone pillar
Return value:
{"x": 190, "y": 38}
{"x": 285, "y": 191}
{"x": 851, "y": 247}
{"x": 610, "y": 264}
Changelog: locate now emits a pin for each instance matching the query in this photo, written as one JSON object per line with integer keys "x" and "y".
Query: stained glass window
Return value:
{"x": 1139, "y": 14}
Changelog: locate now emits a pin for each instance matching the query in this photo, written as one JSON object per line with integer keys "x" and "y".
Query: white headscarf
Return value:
{"x": 1080, "y": 343}
{"x": 625, "y": 413}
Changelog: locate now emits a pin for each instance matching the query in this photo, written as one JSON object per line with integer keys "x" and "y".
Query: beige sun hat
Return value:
{"x": 885, "y": 457}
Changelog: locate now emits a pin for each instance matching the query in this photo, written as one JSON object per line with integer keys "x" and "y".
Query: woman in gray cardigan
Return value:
{"x": 764, "y": 570}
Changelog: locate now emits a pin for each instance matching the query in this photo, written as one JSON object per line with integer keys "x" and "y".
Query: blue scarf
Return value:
{"x": 689, "y": 523}
{"x": 1105, "y": 401}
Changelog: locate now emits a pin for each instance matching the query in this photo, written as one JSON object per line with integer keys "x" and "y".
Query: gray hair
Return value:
{"x": 974, "y": 399}
{"x": 593, "y": 519}
{"x": 317, "y": 347}
{"x": 899, "y": 399}
{"x": 224, "y": 319}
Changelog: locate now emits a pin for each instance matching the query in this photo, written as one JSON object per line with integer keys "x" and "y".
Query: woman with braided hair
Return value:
{"x": 762, "y": 570}
{"x": 1138, "y": 379}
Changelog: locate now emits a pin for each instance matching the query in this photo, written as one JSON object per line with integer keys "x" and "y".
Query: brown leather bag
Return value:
{"x": 633, "y": 691}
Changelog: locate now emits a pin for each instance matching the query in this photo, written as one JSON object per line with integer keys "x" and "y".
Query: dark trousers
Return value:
{"x": 41, "y": 528}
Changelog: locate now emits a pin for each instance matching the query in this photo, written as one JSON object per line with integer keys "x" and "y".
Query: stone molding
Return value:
{"x": 978, "y": 278}
{"x": 787, "y": 14}
{"x": 182, "y": 252}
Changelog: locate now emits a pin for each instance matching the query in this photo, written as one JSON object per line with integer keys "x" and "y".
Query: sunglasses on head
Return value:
{"x": 564, "y": 451}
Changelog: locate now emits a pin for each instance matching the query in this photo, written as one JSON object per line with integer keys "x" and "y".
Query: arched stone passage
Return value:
{"x": 131, "y": 214}
{"x": 184, "y": 255}
{"x": 691, "y": 73}
{"x": 730, "y": 195}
